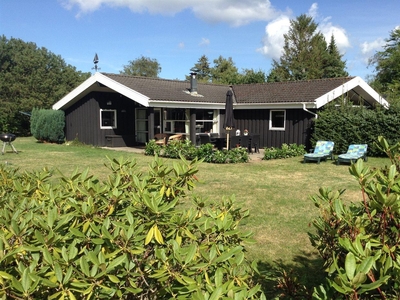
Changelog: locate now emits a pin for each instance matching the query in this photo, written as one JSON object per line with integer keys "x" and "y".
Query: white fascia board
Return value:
{"x": 291, "y": 105}
{"x": 177, "y": 104}
{"x": 344, "y": 88}
{"x": 123, "y": 90}
{"x": 98, "y": 77}
{"x": 75, "y": 93}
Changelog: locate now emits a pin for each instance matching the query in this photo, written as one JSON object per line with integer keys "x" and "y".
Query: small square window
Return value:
{"x": 277, "y": 119}
{"x": 108, "y": 118}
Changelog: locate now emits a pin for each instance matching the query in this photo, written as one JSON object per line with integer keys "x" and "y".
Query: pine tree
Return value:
{"x": 203, "y": 69}
{"x": 306, "y": 54}
{"x": 335, "y": 66}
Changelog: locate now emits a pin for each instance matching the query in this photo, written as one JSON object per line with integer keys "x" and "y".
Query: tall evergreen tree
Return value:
{"x": 335, "y": 66}
{"x": 387, "y": 67}
{"x": 203, "y": 69}
{"x": 31, "y": 77}
{"x": 142, "y": 66}
{"x": 305, "y": 53}
{"x": 224, "y": 71}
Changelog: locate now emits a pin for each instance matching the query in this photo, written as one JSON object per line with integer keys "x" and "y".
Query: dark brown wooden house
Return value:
{"x": 117, "y": 110}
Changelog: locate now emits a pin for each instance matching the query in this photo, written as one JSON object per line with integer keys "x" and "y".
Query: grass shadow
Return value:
{"x": 295, "y": 280}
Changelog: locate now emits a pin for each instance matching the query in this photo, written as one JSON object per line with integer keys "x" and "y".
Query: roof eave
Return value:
{"x": 348, "y": 86}
{"x": 77, "y": 93}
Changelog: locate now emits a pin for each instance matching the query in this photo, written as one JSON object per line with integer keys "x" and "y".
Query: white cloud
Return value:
{"x": 313, "y": 11}
{"x": 181, "y": 45}
{"x": 273, "y": 40}
{"x": 369, "y": 49}
{"x": 233, "y": 12}
{"x": 204, "y": 42}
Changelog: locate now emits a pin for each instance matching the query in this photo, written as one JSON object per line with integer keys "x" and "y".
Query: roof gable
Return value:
{"x": 156, "y": 92}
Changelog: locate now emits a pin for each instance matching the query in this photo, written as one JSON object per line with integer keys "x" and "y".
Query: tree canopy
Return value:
{"x": 306, "y": 54}
{"x": 142, "y": 66}
{"x": 224, "y": 71}
{"x": 387, "y": 67}
{"x": 31, "y": 77}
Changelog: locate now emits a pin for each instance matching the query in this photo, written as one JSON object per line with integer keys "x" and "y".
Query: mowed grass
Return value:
{"x": 276, "y": 192}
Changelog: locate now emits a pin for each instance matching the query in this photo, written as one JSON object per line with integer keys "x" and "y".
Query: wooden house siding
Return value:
{"x": 83, "y": 120}
{"x": 297, "y": 127}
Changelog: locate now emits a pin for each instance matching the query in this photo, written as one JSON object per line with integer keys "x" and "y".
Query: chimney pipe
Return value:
{"x": 193, "y": 82}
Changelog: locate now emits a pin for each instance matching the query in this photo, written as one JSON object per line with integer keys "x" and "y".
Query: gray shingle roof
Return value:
{"x": 279, "y": 92}
{"x": 172, "y": 90}
{"x": 288, "y": 91}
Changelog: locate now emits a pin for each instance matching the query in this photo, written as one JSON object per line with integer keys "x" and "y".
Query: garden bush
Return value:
{"x": 286, "y": 151}
{"x": 360, "y": 241}
{"x": 205, "y": 152}
{"x": 123, "y": 238}
{"x": 347, "y": 125}
{"x": 48, "y": 125}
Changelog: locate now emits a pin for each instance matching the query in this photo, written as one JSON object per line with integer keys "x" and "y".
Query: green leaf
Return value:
{"x": 26, "y": 281}
{"x": 113, "y": 278}
{"x": 366, "y": 265}
{"x": 115, "y": 262}
{"x": 58, "y": 272}
{"x": 84, "y": 266}
{"x": 350, "y": 265}
{"x": 190, "y": 253}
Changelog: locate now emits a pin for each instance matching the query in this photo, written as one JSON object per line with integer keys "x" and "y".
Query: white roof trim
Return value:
{"x": 344, "y": 88}
{"x": 108, "y": 82}
{"x": 185, "y": 104}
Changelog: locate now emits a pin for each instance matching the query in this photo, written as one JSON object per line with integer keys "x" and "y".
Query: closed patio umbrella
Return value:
{"x": 229, "y": 122}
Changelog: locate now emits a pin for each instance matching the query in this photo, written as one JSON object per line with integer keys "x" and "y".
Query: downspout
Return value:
{"x": 313, "y": 113}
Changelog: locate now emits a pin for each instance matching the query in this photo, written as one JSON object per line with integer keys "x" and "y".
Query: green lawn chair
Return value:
{"x": 322, "y": 151}
{"x": 354, "y": 153}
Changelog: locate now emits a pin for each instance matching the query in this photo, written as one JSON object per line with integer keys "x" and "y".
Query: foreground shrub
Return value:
{"x": 205, "y": 152}
{"x": 124, "y": 238}
{"x": 360, "y": 242}
{"x": 286, "y": 151}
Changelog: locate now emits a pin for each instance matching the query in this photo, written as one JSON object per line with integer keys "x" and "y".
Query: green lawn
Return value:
{"x": 276, "y": 192}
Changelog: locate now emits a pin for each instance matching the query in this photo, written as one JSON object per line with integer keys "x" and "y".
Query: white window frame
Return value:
{"x": 270, "y": 119}
{"x": 115, "y": 119}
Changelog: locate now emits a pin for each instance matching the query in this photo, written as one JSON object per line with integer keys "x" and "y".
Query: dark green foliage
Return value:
{"x": 142, "y": 66}
{"x": 176, "y": 149}
{"x": 306, "y": 54}
{"x": 48, "y": 125}
{"x": 125, "y": 238}
{"x": 359, "y": 241}
{"x": 387, "y": 67}
{"x": 286, "y": 151}
{"x": 31, "y": 77}
{"x": 356, "y": 125}
{"x": 224, "y": 71}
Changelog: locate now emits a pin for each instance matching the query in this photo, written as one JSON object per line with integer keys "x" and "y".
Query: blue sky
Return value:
{"x": 178, "y": 32}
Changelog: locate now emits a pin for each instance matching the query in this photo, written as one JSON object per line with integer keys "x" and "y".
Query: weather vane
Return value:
{"x": 95, "y": 61}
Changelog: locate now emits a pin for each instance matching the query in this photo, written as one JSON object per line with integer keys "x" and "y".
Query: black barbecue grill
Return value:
{"x": 7, "y": 139}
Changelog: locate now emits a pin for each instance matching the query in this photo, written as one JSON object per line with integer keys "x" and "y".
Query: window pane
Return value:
{"x": 278, "y": 119}
{"x": 108, "y": 118}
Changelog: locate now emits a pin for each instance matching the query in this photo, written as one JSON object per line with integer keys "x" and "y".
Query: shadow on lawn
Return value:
{"x": 291, "y": 281}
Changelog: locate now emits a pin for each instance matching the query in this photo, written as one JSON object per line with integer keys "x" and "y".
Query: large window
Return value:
{"x": 175, "y": 120}
{"x": 108, "y": 118}
{"x": 277, "y": 119}
{"x": 204, "y": 120}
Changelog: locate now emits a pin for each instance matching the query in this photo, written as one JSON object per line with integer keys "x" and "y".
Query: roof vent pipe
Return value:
{"x": 193, "y": 83}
